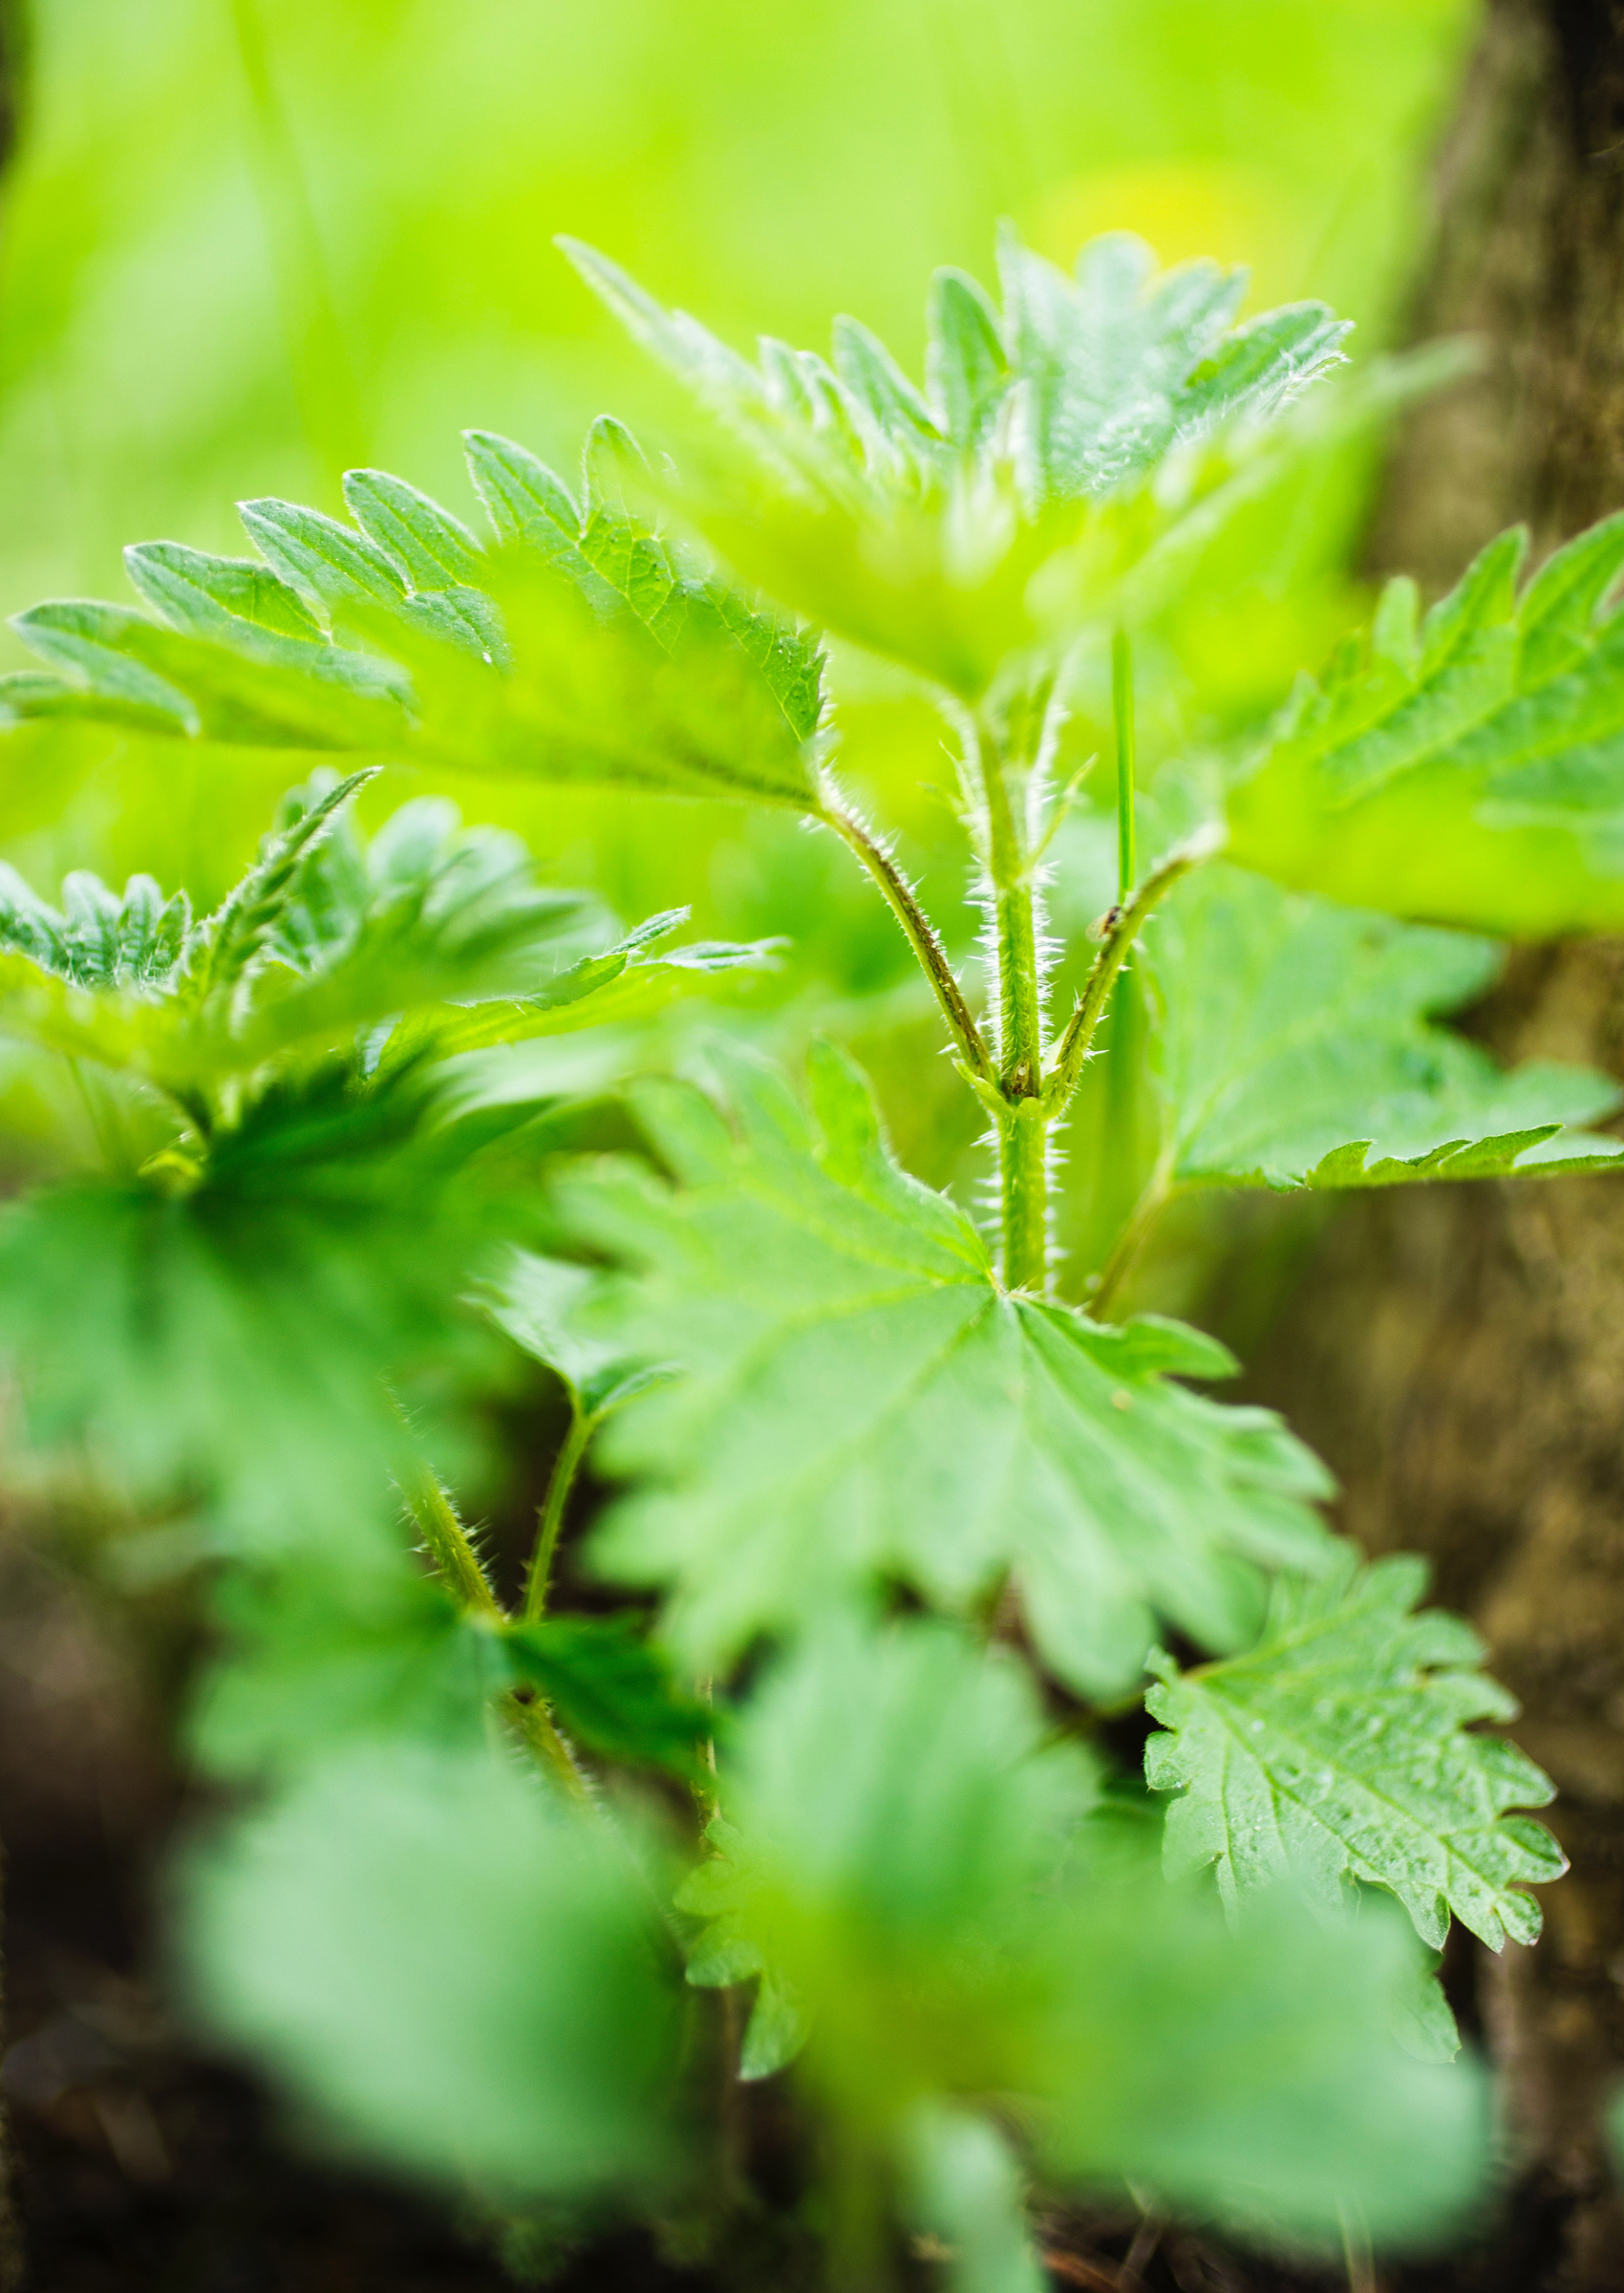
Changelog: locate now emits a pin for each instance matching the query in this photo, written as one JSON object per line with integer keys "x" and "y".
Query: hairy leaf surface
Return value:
{"x": 1337, "y": 1749}
{"x": 863, "y": 1399}
{"x": 1293, "y": 1048}
{"x": 437, "y": 927}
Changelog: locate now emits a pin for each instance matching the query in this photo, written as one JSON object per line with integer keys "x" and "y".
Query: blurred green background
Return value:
{"x": 248, "y": 242}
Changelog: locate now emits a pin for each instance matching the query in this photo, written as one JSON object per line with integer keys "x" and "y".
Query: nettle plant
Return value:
{"x": 918, "y": 1527}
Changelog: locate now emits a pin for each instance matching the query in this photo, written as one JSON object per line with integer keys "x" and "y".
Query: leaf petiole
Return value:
{"x": 922, "y": 935}
{"x": 582, "y": 1424}
{"x": 1117, "y": 933}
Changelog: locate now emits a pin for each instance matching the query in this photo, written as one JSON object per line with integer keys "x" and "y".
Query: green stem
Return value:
{"x": 566, "y": 1465}
{"x": 1129, "y": 1242}
{"x": 1015, "y": 921}
{"x": 1023, "y": 1147}
{"x": 922, "y": 936}
{"x": 538, "y": 1732}
{"x": 434, "y": 1518}
{"x": 1022, "y": 1119}
{"x": 1120, "y": 929}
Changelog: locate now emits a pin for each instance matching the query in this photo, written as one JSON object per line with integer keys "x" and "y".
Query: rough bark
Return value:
{"x": 1459, "y": 1354}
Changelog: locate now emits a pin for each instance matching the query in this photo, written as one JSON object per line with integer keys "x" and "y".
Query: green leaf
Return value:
{"x": 911, "y": 1854}
{"x": 429, "y": 547}
{"x": 455, "y": 1975}
{"x": 213, "y": 597}
{"x": 326, "y": 560}
{"x": 722, "y": 1895}
{"x": 255, "y": 907}
{"x": 584, "y": 650}
{"x": 966, "y": 366}
{"x": 593, "y": 699}
{"x": 100, "y": 940}
{"x": 1468, "y": 772}
{"x": 864, "y": 1402}
{"x": 955, "y": 527}
{"x": 438, "y": 928}
{"x": 236, "y": 1307}
{"x": 613, "y": 1691}
{"x": 1121, "y": 364}
{"x": 240, "y": 684}
{"x": 97, "y": 647}
{"x": 1293, "y": 1048}
{"x": 1336, "y": 1749}
{"x": 316, "y": 1656}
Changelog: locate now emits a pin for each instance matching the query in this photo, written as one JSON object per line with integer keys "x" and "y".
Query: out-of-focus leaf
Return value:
{"x": 457, "y": 1975}
{"x": 1467, "y": 768}
{"x": 863, "y": 1400}
{"x": 1293, "y": 1048}
{"x": 954, "y": 528}
{"x": 317, "y": 1655}
{"x": 235, "y": 1309}
{"x": 100, "y": 939}
{"x": 965, "y": 2188}
{"x": 440, "y": 928}
{"x": 911, "y": 1856}
{"x": 1336, "y": 1749}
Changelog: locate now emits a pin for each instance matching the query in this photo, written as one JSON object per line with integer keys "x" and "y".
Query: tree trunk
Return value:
{"x": 1458, "y": 1353}
{"x": 11, "y": 42}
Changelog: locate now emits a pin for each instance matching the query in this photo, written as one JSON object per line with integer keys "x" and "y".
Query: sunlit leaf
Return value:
{"x": 1467, "y": 768}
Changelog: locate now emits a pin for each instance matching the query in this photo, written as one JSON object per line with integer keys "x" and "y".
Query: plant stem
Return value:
{"x": 922, "y": 936}
{"x": 435, "y": 1519}
{"x": 1015, "y": 921}
{"x": 1120, "y": 929}
{"x": 566, "y": 1465}
{"x": 538, "y": 1732}
{"x": 1022, "y": 1120}
{"x": 1126, "y": 1248}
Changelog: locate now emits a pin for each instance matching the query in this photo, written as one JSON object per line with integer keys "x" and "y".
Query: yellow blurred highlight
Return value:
{"x": 1184, "y": 210}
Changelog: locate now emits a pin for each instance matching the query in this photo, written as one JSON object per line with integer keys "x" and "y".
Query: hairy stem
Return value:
{"x": 1014, "y": 923}
{"x": 434, "y": 1518}
{"x": 1022, "y": 1119}
{"x": 922, "y": 935}
{"x": 567, "y": 1463}
{"x": 538, "y": 1732}
{"x": 1118, "y": 932}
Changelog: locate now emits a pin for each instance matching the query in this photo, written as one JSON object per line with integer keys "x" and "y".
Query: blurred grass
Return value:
{"x": 249, "y": 241}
